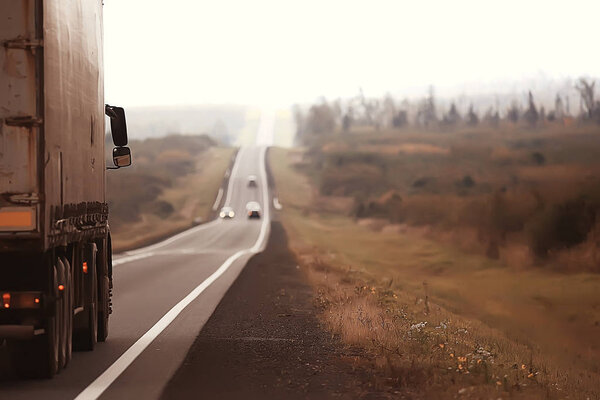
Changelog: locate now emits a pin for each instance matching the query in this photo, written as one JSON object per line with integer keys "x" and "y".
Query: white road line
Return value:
{"x": 98, "y": 386}
{"x": 236, "y": 165}
{"x": 170, "y": 240}
{"x": 218, "y": 199}
{"x": 128, "y": 259}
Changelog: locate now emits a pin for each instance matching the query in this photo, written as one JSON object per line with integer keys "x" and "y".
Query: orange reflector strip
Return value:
{"x": 61, "y": 287}
{"x": 16, "y": 219}
{"x": 85, "y": 269}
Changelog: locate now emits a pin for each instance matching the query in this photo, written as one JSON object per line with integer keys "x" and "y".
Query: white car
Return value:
{"x": 227, "y": 212}
{"x": 252, "y": 181}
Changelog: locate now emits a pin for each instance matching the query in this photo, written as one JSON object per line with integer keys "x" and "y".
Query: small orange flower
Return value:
{"x": 522, "y": 366}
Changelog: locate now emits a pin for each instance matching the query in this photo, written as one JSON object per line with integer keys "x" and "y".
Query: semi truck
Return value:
{"x": 55, "y": 244}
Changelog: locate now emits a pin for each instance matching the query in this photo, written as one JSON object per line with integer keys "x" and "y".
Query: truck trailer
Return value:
{"x": 55, "y": 246}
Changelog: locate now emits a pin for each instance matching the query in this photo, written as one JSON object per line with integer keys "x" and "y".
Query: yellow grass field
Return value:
{"x": 438, "y": 321}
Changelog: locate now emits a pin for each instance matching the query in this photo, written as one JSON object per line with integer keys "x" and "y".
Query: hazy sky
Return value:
{"x": 283, "y": 51}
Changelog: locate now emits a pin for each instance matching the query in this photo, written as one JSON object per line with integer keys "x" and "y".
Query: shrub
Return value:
{"x": 538, "y": 158}
{"x": 162, "y": 208}
{"x": 352, "y": 180}
{"x": 563, "y": 225}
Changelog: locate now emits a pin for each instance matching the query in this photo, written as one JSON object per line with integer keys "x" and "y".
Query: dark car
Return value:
{"x": 253, "y": 209}
{"x": 252, "y": 181}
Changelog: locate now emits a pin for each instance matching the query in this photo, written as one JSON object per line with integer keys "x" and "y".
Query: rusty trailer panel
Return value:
{"x": 19, "y": 91}
{"x": 51, "y": 121}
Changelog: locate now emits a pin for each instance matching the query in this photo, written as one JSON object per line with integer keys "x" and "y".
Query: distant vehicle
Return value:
{"x": 227, "y": 212}
{"x": 253, "y": 209}
{"x": 252, "y": 181}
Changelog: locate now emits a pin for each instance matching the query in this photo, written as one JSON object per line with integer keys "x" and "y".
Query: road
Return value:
{"x": 163, "y": 296}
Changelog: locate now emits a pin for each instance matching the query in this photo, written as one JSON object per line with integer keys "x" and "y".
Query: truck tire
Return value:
{"x": 66, "y": 337}
{"x": 86, "y": 336}
{"x": 104, "y": 310}
{"x": 104, "y": 293}
{"x": 61, "y": 274}
{"x": 39, "y": 357}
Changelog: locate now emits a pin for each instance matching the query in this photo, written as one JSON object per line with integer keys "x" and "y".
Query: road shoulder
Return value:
{"x": 264, "y": 339}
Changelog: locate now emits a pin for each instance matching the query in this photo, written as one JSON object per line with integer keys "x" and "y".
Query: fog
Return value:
{"x": 279, "y": 53}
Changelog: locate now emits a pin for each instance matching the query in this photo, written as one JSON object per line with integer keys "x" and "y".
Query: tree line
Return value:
{"x": 359, "y": 111}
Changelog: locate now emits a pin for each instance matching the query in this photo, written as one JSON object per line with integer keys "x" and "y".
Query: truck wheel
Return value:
{"x": 85, "y": 338}
{"x": 67, "y": 323}
{"x": 39, "y": 357}
{"x": 102, "y": 260}
{"x": 61, "y": 274}
{"x": 104, "y": 310}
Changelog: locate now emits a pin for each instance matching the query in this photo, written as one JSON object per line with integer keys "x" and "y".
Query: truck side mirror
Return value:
{"x": 118, "y": 124}
{"x": 122, "y": 157}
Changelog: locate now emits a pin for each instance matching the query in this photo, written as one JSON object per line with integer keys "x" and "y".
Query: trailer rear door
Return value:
{"x": 21, "y": 119}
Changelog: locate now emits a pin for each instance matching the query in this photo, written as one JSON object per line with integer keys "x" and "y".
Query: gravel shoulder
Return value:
{"x": 264, "y": 340}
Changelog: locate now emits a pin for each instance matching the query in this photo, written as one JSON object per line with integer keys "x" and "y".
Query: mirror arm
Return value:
{"x": 108, "y": 110}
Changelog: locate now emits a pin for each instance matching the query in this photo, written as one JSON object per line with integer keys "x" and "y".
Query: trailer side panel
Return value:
{"x": 74, "y": 119}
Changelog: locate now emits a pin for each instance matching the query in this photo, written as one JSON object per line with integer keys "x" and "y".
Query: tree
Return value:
{"x": 513, "y": 113}
{"x": 559, "y": 108}
{"x": 426, "y": 114}
{"x": 472, "y": 117}
{"x": 452, "y": 117}
{"x": 492, "y": 117}
{"x": 389, "y": 110}
{"x": 531, "y": 115}
{"x": 586, "y": 91}
{"x": 300, "y": 122}
{"x": 400, "y": 119}
{"x": 320, "y": 119}
{"x": 347, "y": 120}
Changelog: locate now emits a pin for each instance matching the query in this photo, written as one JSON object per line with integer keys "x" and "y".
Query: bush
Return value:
{"x": 352, "y": 180}
{"x": 162, "y": 208}
{"x": 562, "y": 226}
{"x": 129, "y": 191}
{"x": 538, "y": 158}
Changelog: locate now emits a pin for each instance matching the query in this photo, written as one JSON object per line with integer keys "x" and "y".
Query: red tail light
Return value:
{"x": 6, "y": 300}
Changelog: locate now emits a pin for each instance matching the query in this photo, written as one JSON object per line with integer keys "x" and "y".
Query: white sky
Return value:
{"x": 175, "y": 52}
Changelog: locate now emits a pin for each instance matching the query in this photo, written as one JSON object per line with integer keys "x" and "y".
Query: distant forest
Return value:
{"x": 428, "y": 112}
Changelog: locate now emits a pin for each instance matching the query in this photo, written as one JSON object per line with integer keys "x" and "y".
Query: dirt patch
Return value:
{"x": 264, "y": 341}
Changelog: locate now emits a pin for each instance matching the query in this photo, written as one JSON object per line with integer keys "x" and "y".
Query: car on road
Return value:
{"x": 252, "y": 181}
{"x": 253, "y": 209}
{"x": 227, "y": 213}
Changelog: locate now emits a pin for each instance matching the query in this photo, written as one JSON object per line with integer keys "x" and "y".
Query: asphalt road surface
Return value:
{"x": 163, "y": 296}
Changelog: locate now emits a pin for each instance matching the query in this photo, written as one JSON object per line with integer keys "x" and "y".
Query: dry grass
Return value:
{"x": 420, "y": 349}
{"x": 191, "y": 195}
{"x": 511, "y": 186}
{"x": 371, "y": 287}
